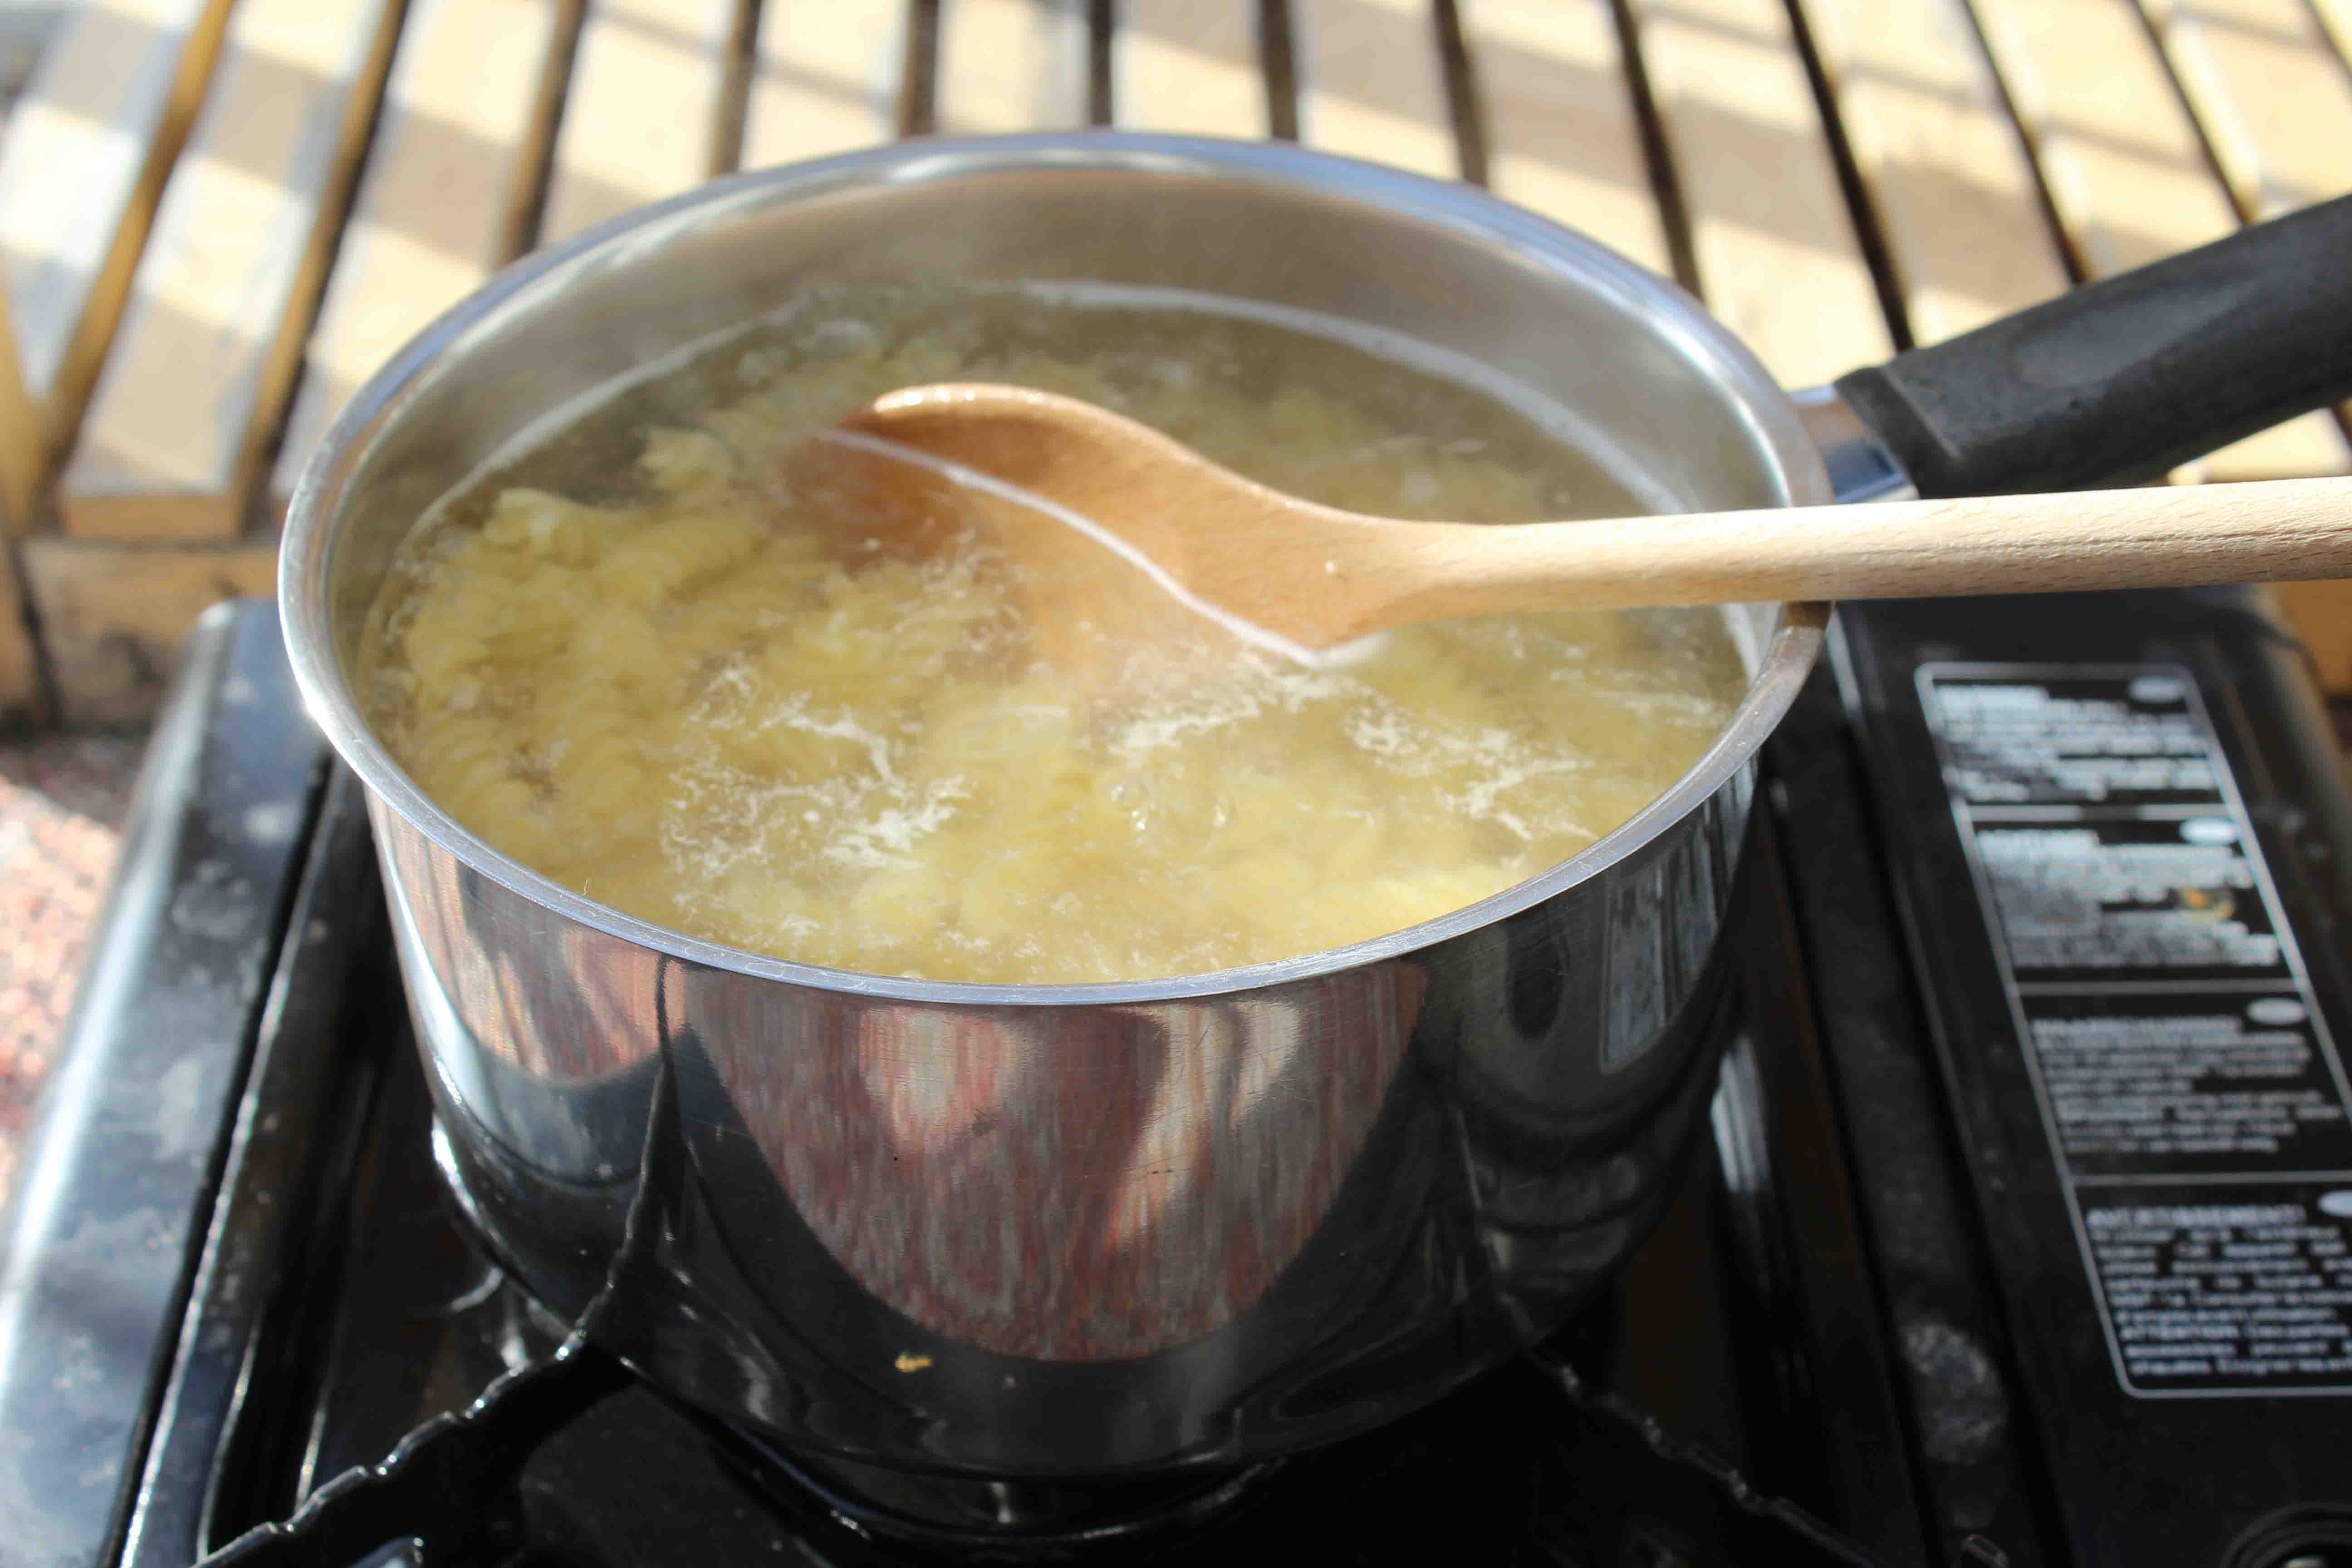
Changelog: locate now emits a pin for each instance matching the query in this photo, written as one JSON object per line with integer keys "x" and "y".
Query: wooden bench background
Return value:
{"x": 217, "y": 216}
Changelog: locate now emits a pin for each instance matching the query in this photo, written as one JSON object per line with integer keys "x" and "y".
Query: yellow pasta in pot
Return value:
{"x": 671, "y": 682}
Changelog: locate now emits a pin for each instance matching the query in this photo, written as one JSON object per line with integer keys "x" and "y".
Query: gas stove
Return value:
{"x": 2021, "y": 1238}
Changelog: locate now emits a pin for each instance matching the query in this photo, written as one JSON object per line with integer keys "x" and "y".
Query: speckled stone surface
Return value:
{"x": 62, "y": 799}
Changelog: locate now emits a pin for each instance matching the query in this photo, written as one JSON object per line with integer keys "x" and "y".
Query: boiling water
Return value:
{"x": 649, "y": 658}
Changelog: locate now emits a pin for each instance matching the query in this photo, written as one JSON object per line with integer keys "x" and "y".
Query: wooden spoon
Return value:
{"x": 1315, "y": 577}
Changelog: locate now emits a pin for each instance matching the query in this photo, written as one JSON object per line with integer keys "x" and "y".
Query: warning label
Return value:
{"x": 2169, "y": 898}
{"x": 2085, "y": 741}
{"x": 2196, "y": 1105}
{"x": 2151, "y": 1084}
{"x": 2254, "y": 1291}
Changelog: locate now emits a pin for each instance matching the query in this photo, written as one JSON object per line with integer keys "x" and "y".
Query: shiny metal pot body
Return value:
{"x": 1067, "y": 1231}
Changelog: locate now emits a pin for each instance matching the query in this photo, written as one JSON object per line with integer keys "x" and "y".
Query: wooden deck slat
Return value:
{"x": 20, "y": 464}
{"x": 1011, "y": 65}
{"x": 82, "y": 167}
{"x": 1562, "y": 137}
{"x": 2127, "y": 176}
{"x": 114, "y": 615}
{"x": 1371, "y": 83}
{"x": 824, "y": 77}
{"x": 1948, "y": 182}
{"x": 642, "y": 119}
{"x": 2322, "y": 613}
{"x": 2275, "y": 105}
{"x": 1775, "y": 248}
{"x": 19, "y": 683}
{"x": 2121, "y": 160}
{"x": 2336, "y": 17}
{"x": 454, "y": 154}
{"x": 195, "y": 381}
{"x": 1189, "y": 65}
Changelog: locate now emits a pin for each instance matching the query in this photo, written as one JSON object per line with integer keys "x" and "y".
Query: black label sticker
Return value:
{"x": 2172, "y": 1082}
{"x": 2167, "y": 899}
{"x": 2089, "y": 741}
{"x": 2253, "y": 1287}
{"x": 2196, "y": 1105}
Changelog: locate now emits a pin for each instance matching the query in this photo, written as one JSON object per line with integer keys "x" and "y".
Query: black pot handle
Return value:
{"x": 2121, "y": 379}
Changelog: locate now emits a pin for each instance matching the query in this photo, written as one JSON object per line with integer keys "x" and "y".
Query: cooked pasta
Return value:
{"x": 688, "y": 689}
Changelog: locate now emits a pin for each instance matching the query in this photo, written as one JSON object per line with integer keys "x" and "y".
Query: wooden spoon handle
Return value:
{"x": 2163, "y": 536}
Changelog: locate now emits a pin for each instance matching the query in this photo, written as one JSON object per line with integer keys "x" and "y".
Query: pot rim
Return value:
{"x": 307, "y": 549}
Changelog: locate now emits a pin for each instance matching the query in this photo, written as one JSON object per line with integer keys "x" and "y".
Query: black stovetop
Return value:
{"x": 1938, "y": 1291}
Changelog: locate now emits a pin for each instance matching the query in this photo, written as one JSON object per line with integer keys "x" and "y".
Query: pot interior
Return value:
{"x": 1617, "y": 361}
{"x": 1625, "y": 367}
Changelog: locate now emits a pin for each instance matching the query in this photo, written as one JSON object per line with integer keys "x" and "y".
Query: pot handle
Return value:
{"x": 2120, "y": 380}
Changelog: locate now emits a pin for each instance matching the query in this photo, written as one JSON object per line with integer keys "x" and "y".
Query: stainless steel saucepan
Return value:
{"x": 911, "y": 1232}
